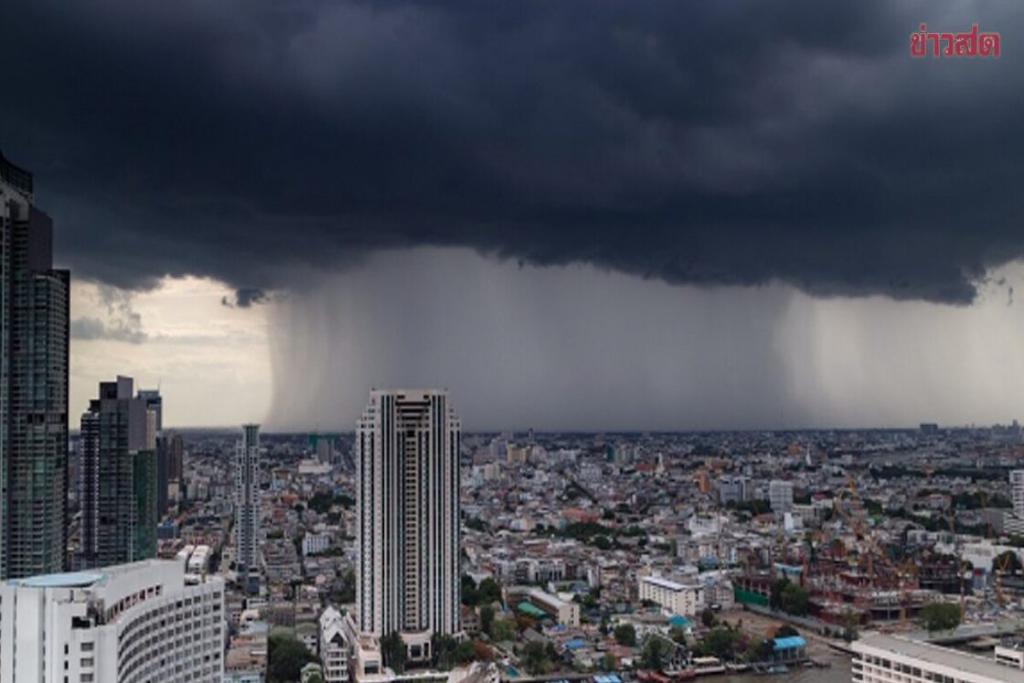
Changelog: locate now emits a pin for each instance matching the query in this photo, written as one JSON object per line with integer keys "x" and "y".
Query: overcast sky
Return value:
{"x": 586, "y": 215}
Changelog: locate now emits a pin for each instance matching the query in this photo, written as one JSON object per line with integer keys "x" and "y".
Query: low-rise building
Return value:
{"x": 677, "y": 598}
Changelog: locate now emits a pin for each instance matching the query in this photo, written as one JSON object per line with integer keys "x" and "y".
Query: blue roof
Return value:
{"x": 679, "y": 621}
{"x": 575, "y": 644}
{"x": 69, "y": 580}
{"x": 607, "y": 678}
{"x": 789, "y": 643}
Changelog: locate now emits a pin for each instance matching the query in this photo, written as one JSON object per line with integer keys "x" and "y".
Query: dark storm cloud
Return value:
{"x": 704, "y": 143}
{"x": 245, "y": 297}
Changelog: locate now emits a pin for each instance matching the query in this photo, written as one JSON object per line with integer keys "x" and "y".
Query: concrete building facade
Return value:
{"x": 408, "y": 526}
{"x": 247, "y": 508}
{"x": 129, "y": 623}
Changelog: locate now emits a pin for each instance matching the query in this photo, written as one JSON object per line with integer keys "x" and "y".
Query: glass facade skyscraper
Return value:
{"x": 33, "y": 384}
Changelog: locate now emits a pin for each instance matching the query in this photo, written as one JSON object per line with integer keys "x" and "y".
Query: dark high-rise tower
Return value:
{"x": 33, "y": 384}
{"x": 118, "y": 478}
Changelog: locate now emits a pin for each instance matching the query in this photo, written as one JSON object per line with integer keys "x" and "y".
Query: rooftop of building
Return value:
{"x": 63, "y": 580}
{"x": 945, "y": 657}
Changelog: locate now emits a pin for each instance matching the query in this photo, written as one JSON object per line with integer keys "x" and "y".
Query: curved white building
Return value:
{"x": 128, "y": 623}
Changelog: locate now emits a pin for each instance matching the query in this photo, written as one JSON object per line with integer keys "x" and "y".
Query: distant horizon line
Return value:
{"x": 596, "y": 432}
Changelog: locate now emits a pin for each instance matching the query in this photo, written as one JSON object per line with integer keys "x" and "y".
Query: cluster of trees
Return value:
{"x": 323, "y": 501}
{"x": 657, "y": 653}
{"x": 1007, "y": 563}
{"x": 448, "y": 652}
{"x": 625, "y": 634}
{"x": 940, "y": 616}
{"x": 722, "y": 641}
{"x": 751, "y": 507}
{"x": 789, "y": 597}
{"x": 486, "y": 593}
{"x": 286, "y": 656}
{"x": 599, "y": 535}
{"x": 538, "y": 658}
{"x": 393, "y": 651}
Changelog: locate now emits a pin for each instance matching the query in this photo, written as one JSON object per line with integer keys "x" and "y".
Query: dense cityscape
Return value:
{"x": 392, "y": 341}
{"x": 409, "y": 550}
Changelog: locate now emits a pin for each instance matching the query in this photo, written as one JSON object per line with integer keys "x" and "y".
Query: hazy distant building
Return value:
{"x": 33, "y": 384}
{"x": 733, "y": 490}
{"x": 407, "y": 491}
{"x": 247, "y": 508}
{"x": 132, "y": 623}
{"x": 155, "y": 403}
{"x": 175, "y": 468}
{"x": 118, "y": 480}
{"x": 780, "y": 496}
{"x": 1017, "y": 492}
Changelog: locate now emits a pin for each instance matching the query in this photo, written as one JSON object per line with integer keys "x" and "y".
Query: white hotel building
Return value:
{"x": 407, "y": 538}
{"x": 890, "y": 659}
{"x": 129, "y": 623}
{"x": 678, "y": 598}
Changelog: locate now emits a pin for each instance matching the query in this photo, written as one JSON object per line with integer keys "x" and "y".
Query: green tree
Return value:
{"x": 794, "y": 599}
{"x": 775, "y": 594}
{"x": 707, "y": 617}
{"x": 608, "y": 662}
{"x": 720, "y": 642}
{"x": 940, "y": 616}
{"x": 625, "y": 634}
{"x": 503, "y": 630}
{"x": 602, "y": 543}
{"x": 393, "y": 650}
{"x": 851, "y": 624}
{"x": 464, "y": 653}
{"x": 443, "y": 649}
{"x": 1007, "y": 563}
{"x": 535, "y": 658}
{"x": 487, "y": 619}
{"x": 656, "y": 652}
{"x": 286, "y": 656}
{"x": 488, "y": 591}
{"x": 470, "y": 595}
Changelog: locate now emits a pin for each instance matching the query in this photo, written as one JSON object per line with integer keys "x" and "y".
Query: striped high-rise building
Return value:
{"x": 33, "y": 385}
{"x": 407, "y": 492}
{"x": 247, "y": 508}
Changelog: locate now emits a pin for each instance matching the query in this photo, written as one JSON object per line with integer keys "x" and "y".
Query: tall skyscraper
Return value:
{"x": 33, "y": 384}
{"x": 118, "y": 482}
{"x": 247, "y": 508}
{"x": 407, "y": 488}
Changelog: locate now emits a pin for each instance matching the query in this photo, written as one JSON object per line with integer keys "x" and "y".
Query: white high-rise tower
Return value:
{"x": 247, "y": 508}
{"x": 407, "y": 488}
